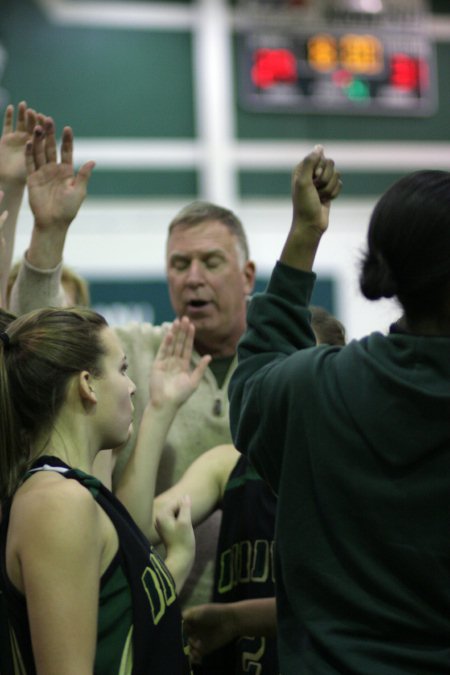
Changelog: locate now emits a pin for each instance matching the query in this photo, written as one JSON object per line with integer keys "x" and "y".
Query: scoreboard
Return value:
{"x": 338, "y": 70}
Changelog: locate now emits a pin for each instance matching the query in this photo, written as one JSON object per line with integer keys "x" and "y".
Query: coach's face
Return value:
{"x": 209, "y": 281}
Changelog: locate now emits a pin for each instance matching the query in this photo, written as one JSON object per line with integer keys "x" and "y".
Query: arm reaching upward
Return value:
{"x": 315, "y": 182}
{"x": 279, "y": 323}
{"x": 172, "y": 381}
{"x": 13, "y": 178}
{"x": 55, "y": 193}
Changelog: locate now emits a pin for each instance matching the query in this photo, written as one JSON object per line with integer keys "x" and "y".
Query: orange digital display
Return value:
{"x": 361, "y": 53}
{"x": 323, "y": 52}
{"x": 357, "y": 53}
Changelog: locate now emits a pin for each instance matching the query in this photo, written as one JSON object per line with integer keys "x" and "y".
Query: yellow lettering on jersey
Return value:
{"x": 251, "y": 660}
{"x": 159, "y": 587}
{"x": 246, "y": 562}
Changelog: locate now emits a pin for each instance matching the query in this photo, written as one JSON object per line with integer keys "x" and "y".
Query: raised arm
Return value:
{"x": 279, "y": 323}
{"x": 172, "y": 381}
{"x": 13, "y": 178}
{"x": 315, "y": 182}
{"x": 55, "y": 193}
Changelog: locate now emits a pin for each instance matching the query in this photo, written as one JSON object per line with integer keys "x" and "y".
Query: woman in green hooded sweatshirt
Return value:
{"x": 355, "y": 440}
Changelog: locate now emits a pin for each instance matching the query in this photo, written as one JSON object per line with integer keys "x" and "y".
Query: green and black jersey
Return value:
{"x": 138, "y": 615}
{"x": 244, "y": 568}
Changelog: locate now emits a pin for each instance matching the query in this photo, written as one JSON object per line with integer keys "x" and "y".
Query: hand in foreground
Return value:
{"x": 13, "y": 141}
{"x": 208, "y": 627}
{"x": 55, "y": 192}
{"x": 174, "y": 526}
{"x": 172, "y": 380}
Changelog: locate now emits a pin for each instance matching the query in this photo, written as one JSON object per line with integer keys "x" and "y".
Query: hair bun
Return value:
{"x": 376, "y": 280}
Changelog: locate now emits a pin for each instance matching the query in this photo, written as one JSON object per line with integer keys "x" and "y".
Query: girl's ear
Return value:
{"x": 85, "y": 385}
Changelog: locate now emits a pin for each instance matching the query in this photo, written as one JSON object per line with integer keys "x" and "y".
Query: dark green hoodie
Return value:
{"x": 355, "y": 441}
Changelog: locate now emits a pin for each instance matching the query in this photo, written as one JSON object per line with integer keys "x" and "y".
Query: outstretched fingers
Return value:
{"x": 8, "y": 120}
{"x": 67, "y": 146}
{"x": 27, "y": 119}
{"x": 35, "y": 151}
{"x": 178, "y": 341}
{"x": 50, "y": 141}
{"x": 165, "y": 346}
{"x": 31, "y": 119}
{"x": 84, "y": 174}
{"x": 174, "y": 359}
{"x": 29, "y": 158}
{"x": 21, "y": 124}
{"x": 200, "y": 369}
{"x": 184, "y": 339}
{"x": 38, "y": 147}
{"x": 184, "y": 346}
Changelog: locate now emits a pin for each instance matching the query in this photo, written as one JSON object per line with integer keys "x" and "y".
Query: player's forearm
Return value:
{"x": 179, "y": 562}
{"x": 46, "y": 247}
{"x": 300, "y": 249}
{"x": 11, "y": 202}
{"x": 136, "y": 486}
{"x": 255, "y": 617}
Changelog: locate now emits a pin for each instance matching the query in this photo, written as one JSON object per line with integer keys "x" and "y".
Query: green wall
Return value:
{"x": 125, "y": 83}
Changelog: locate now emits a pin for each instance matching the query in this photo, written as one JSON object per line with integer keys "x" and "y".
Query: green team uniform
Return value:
{"x": 356, "y": 443}
{"x": 139, "y": 616}
{"x": 244, "y": 569}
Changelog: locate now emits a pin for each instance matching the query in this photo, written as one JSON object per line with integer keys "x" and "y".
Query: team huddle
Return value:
{"x": 237, "y": 491}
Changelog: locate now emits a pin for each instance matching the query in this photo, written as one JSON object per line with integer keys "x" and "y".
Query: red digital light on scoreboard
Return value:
{"x": 273, "y": 66}
{"x": 408, "y": 73}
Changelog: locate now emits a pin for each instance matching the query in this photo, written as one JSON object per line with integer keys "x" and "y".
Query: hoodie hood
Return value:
{"x": 399, "y": 394}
